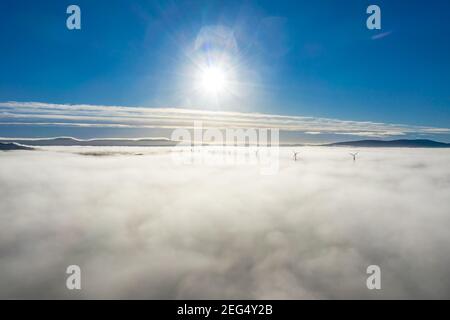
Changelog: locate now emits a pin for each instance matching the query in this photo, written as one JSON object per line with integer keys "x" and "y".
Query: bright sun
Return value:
{"x": 213, "y": 80}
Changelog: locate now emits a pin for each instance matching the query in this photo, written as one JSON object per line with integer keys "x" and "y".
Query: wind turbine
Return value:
{"x": 354, "y": 155}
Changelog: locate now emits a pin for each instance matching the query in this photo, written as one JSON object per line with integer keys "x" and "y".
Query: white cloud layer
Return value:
{"x": 46, "y": 114}
{"x": 142, "y": 227}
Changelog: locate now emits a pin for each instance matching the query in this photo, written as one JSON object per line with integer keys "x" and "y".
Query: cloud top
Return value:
{"x": 142, "y": 227}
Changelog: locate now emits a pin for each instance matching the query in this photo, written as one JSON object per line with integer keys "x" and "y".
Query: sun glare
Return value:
{"x": 213, "y": 80}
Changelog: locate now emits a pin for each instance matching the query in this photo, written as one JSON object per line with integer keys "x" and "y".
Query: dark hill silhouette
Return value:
{"x": 13, "y": 146}
{"x": 404, "y": 143}
{"x": 69, "y": 141}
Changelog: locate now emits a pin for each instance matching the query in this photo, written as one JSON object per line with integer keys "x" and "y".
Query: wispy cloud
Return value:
{"x": 381, "y": 35}
{"x": 48, "y": 114}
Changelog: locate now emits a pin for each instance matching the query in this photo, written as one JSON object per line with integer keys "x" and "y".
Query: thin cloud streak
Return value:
{"x": 381, "y": 35}
{"x": 48, "y": 114}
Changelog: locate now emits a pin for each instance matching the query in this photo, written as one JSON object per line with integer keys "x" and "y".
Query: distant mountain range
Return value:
{"x": 417, "y": 143}
{"x": 69, "y": 141}
{"x": 13, "y": 146}
{"x": 21, "y": 144}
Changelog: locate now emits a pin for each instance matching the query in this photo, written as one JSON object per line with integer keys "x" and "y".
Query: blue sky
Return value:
{"x": 305, "y": 58}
